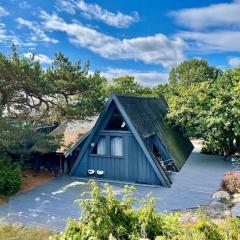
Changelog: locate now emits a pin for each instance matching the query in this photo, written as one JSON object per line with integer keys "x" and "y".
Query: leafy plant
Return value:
{"x": 10, "y": 176}
{"x": 106, "y": 217}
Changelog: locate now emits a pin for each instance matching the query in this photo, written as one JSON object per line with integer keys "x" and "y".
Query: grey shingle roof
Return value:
{"x": 147, "y": 114}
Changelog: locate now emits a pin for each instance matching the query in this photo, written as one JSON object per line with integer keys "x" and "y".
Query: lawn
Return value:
{"x": 18, "y": 232}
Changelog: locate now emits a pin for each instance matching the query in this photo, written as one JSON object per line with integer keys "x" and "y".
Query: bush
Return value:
{"x": 18, "y": 232}
{"x": 231, "y": 182}
{"x": 105, "y": 217}
{"x": 10, "y": 176}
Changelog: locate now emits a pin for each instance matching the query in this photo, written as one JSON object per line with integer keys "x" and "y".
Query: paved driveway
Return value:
{"x": 50, "y": 204}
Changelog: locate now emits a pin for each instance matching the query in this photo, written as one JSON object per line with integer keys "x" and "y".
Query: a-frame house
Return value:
{"x": 132, "y": 142}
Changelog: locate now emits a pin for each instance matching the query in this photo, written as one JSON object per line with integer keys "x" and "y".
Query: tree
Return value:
{"x": 75, "y": 93}
{"x": 127, "y": 85}
{"x": 163, "y": 90}
{"x": 29, "y": 93}
{"x": 187, "y": 108}
{"x": 210, "y": 110}
{"x": 21, "y": 86}
{"x": 222, "y": 121}
{"x": 20, "y": 140}
{"x": 193, "y": 71}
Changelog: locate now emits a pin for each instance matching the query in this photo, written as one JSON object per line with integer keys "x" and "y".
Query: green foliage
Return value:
{"x": 77, "y": 93}
{"x": 21, "y": 140}
{"x": 127, "y": 85}
{"x": 18, "y": 232}
{"x": 203, "y": 100}
{"x": 28, "y": 92}
{"x": 106, "y": 217}
{"x": 203, "y": 229}
{"x": 193, "y": 71}
{"x": 209, "y": 110}
{"x": 10, "y": 176}
{"x": 30, "y": 95}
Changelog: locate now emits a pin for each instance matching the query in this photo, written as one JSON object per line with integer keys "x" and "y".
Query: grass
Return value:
{"x": 18, "y": 232}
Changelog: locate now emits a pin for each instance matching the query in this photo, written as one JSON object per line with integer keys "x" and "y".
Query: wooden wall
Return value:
{"x": 132, "y": 167}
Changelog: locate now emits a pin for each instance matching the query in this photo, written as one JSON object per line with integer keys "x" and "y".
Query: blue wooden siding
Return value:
{"x": 132, "y": 167}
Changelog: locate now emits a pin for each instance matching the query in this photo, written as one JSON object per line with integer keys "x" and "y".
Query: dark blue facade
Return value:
{"x": 133, "y": 166}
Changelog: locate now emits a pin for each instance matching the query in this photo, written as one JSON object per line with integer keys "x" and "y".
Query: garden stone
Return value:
{"x": 189, "y": 217}
{"x": 236, "y": 198}
{"x": 221, "y": 196}
{"x": 218, "y": 205}
{"x": 216, "y": 209}
{"x": 227, "y": 214}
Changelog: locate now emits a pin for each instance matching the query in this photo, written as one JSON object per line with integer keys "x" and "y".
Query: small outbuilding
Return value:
{"x": 132, "y": 142}
{"x": 70, "y": 135}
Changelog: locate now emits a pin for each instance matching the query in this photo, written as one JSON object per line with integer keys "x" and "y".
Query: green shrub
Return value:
{"x": 106, "y": 217}
{"x": 10, "y": 176}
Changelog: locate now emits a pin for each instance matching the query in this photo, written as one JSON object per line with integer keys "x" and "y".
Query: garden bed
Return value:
{"x": 31, "y": 179}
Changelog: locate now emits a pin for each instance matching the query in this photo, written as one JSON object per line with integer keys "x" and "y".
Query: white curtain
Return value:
{"x": 101, "y": 146}
{"x": 116, "y": 146}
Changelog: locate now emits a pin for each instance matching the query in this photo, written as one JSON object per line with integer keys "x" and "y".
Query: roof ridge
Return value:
{"x": 148, "y": 97}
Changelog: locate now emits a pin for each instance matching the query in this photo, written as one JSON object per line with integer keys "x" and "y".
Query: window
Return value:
{"x": 116, "y": 122}
{"x": 100, "y": 147}
{"x": 117, "y": 146}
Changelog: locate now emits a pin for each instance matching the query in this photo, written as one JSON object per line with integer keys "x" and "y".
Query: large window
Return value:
{"x": 116, "y": 146}
{"x": 100, "y": 147}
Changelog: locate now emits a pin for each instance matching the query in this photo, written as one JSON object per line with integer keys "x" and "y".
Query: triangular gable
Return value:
{"x": 164, "y": 179}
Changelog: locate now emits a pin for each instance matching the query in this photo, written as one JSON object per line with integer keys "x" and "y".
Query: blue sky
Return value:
{"x": 143, "y": 38}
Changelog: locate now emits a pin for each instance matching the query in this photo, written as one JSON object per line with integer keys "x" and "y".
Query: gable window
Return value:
{"x": 100, "y": 147}
{"x": 116, "y": 122}
{"x": 116, "y": 146}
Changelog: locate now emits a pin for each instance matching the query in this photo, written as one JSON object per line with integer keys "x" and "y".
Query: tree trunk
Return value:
{"x": 238, "y": 144}
{"x": 225, "y": 153}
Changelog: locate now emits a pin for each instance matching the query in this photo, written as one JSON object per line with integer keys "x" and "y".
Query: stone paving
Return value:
{"x": 50, "y": 204}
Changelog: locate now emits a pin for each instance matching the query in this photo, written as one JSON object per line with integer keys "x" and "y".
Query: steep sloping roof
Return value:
{"x": 158, "y": 168}
{"x": 72, "y": 132}
{"x": 147, "y": 114}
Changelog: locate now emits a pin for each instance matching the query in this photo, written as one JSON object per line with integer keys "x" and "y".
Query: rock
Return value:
{"x": 216, "y": 209}
{"x": 227, "y": 214}
{"x": 186, "y": 217}
{"x": 218, "y": 205}
{"x": 221, "y": 196}
{"x": 189, "y": 217}
{"x": 236, "y": 198}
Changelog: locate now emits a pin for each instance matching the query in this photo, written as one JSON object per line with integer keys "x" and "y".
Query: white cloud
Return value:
{"x": 3, "y": 12}
{"x": 38, "y": 33}
{"x": 149, "y": 78}
{"x": 6, "y": 38}
{"x": 234, "y": 61}
{"x": 215, "y": 15}
{"x": 156, "y": 49}
{"x": 94, "y": 11}
{"x": 214, "y": 41}
{"x": 24, "y": 5}
{"x": 38, "y": 57}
